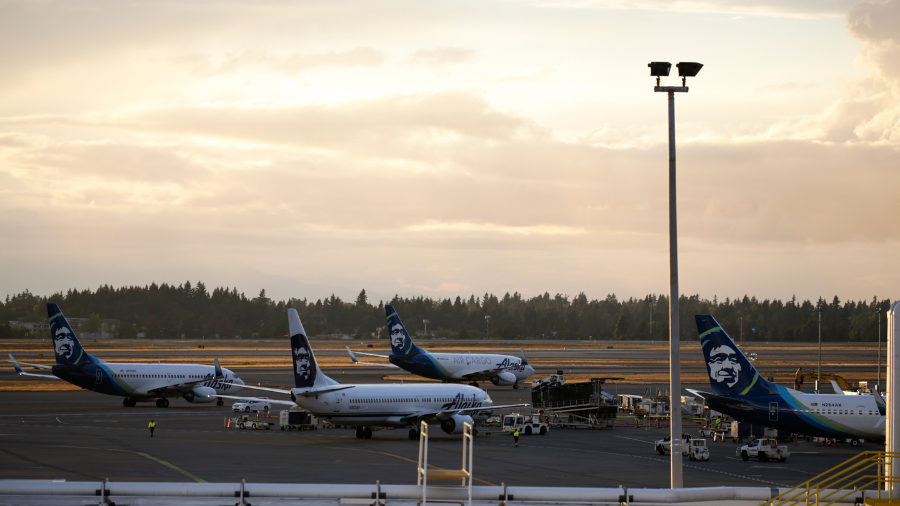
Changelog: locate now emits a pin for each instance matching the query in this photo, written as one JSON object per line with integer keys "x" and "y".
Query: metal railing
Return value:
{"x": 854, "y": 476}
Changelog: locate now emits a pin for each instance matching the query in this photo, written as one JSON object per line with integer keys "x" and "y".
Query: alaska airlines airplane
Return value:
{"x": 501, "y": 370}
{"x": 134, "y": 382}
{"x": 371, "y": 407}
{"x": 742, "y": 393}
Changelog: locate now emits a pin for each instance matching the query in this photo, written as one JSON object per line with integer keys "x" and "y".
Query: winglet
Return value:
{"x": 837, "y": 388}
{"x": 524, "y": 360}
{"x": 219, "y": 374}
{"x": 16, "y": 365}
{"x": 352, "y": 356}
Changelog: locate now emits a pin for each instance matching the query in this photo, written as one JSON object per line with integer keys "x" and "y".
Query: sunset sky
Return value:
{"x": 450, "y": 148}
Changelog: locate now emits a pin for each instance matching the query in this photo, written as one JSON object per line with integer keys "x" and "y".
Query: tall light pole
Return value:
{"x": 487, "y": 322}
{"x": 819, "y": 369}
{"x": 685, "y": 70}
{"x": 426, "y": 322}
{"x": 878, "y": 315}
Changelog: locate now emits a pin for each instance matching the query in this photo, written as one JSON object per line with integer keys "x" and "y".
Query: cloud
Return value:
{"x": 790, "y": 86}
{"x": 295, "y": 64}
{"x": 768, "y": 8}
{"x": 441, "y": 57}
{"x": 536, "y": 74}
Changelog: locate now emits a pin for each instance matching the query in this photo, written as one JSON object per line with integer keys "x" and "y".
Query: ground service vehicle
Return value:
{"x": 697, "y": 449}
{"x": 764, "y": 450}
{"x": 526, "y": 424}
{"x": 664, "y": 446}
{"x": 297, "y": 419}
{"x": 252, "y": 404}
{"x": 246, "y": 422}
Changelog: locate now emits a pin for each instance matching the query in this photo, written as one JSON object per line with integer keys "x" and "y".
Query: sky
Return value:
{"x": 450, "y": 148}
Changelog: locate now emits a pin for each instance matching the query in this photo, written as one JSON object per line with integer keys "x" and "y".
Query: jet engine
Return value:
{"x": 454, "y": 424}
{"x": 504, "y": 379}
{"x": 200, "y": 395}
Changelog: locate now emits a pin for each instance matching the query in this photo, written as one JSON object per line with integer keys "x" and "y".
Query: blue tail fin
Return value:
{"x": 306, "y": 370}
{"x": 730, "y": 373}
{"x": 65, "y": 344}
{"x": 401, "y": 343}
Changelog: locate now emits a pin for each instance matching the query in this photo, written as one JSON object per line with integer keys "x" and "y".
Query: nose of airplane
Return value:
{"x": 238, "y": 381}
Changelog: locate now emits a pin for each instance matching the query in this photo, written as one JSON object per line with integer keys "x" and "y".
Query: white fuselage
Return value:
{"x": 851, "y": 414}
{"x": 388, "y": 405}
{"x": 139, "y": 379}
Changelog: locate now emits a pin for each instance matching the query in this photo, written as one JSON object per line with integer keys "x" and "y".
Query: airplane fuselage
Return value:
{"x": 138, "y": 380}
{"x": 823, "y": 415}
{"x": 459, "y": 367}
{"x": 388, "y": 405}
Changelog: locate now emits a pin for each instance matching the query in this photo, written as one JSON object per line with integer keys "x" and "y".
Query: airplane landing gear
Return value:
{"x": 162, "y": 403}
{"x": 515, "y": 386}
{"x": 128, "y": 402}
{"x": 359, "y": 433}
{"x": 367, "y": 432}
{"x": 413, "y": 434}
{"x": 220, "y": 402}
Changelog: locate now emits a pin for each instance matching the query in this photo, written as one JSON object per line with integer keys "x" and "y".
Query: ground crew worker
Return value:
{"x": 516, "y": 437}
{"x": 718, "y": 422}
{"x": 152, "y": 426}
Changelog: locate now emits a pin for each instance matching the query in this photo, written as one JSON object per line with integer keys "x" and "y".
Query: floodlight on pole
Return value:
{"x": 426, "y": 322}
{"x": 487, "y": 322}
{"x": 657, "y": 70}
{"x": 688, "y": 69}
{"x": 819, "y": 377}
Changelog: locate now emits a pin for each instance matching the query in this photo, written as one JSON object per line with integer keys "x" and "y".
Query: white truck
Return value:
{"x": 527, "y": 424}
{"x": 764, "y": 449}
{"x": 297, "y": 419}
{"x": 695, "y": 449}
{"x": 249, "y": 422}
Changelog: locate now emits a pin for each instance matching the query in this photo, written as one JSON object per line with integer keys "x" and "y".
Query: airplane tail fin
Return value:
{"x": 524, "y": 360}
{"x": 306, "y": 370}
{"x": 401, "y": 343}
{"x": 730, "y": 373}
{"x": 66, "y": 346}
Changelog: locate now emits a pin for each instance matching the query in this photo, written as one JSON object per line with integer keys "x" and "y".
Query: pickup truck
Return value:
{"x": 764, "y": 450}
{"x": 664, "y": 446}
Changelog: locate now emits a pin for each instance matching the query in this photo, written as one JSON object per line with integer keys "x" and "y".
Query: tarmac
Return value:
{"x": 81, "y": 435}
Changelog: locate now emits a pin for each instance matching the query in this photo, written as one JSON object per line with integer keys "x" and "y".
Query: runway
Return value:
{"x": 80, "y": 436}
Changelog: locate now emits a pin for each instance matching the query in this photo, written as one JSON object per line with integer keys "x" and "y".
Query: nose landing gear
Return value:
{"x": 162, "y": 403}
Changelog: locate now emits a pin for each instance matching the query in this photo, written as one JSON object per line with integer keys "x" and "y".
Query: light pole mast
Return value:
{"x": 819, "y": 368}
{"x": 685, "y": 70}
{"x": 878, "y": 315}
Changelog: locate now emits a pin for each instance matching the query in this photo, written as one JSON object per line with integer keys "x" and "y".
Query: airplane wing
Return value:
{"x": 367, "y": 354}
{"x": 32, "y": 365}
{"x": 729, "y": 402}
{"x": 187, "y": 386}
{"x": 355, "y": 361}
{"x": 20, "y": 372}
{"x": 447, "y": 413}
{"x": 306, "y": 393}
{"x": 482, "y": 375}
{"x": 270, "y": 401}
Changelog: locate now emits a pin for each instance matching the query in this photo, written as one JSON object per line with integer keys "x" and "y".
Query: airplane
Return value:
{"x": 135, "y": 382}
{"x": 372, "y": 407}
{"x": 501, "y": 370}
{"x": 738, "y": 390}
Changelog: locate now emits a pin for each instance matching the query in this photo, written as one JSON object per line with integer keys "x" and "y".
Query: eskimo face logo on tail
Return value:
{"x": 63, "y": 343}
{"x": 303, "y": 365}
{"x": 724, "y": 366}
{"x": 398, "y": 336}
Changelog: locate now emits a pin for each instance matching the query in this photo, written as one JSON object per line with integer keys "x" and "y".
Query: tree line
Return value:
{"x": 167, "y": 311}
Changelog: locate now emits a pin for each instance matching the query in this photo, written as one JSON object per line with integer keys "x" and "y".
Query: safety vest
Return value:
{"x": 516, "y": 433}
{"x": 151, "y": 424}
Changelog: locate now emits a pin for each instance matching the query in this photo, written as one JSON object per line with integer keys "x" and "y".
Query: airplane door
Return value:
{"x": 337, "y": 402}
{"x": 99, "y": 376}
{"x": 773, "y": 411}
